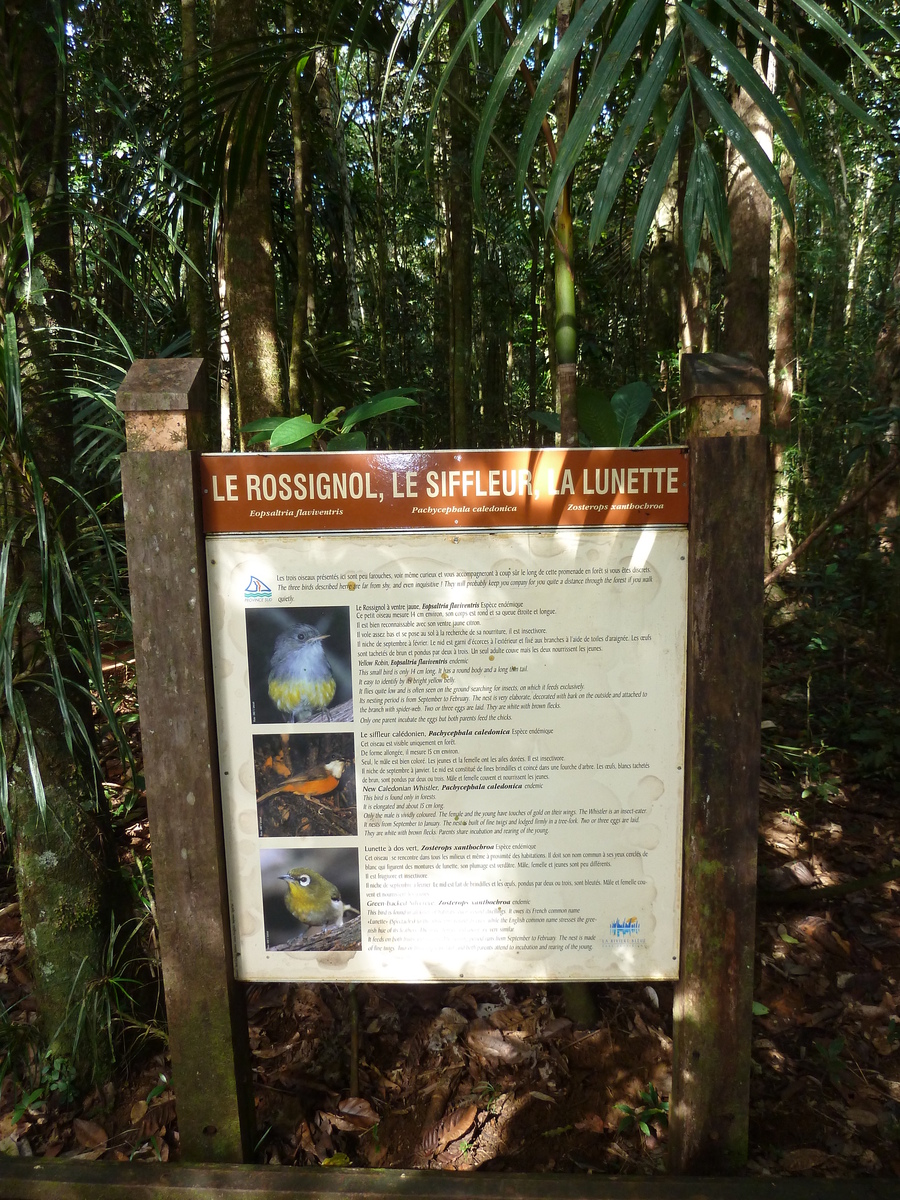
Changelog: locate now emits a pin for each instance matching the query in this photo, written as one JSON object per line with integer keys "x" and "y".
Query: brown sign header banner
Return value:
{"x": 443, "y": 489}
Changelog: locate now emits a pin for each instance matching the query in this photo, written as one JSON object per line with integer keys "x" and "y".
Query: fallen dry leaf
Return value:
{"x": 354, "y": 1115}
{"x": 805, "y": 1159}
{"x": 490, "y": 1043}
{"x": 591, "y": 1124}
{"x": 89, "y": 1134}
{"x": 448, "y": 1129}
{"x": 862, "y": 1116}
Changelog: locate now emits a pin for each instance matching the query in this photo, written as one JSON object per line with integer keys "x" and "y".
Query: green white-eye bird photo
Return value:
{"x": 312, "y": 900}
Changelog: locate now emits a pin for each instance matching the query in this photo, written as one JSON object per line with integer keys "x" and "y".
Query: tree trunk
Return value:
{"x": 785, "y": 374}
{"x": 347, "y": 310}
{"x": 746, "y": 329}
{"x": 301, "y": 122}
{"x": 58, "y": 858}
{"x": 196, "y": 276}
{"x": 440, "y": 337}
{"x": 566, "y": 334}
{"x": 693, "y": 286}
{"x": 248, "y": 244}
{"x": 460, "y": 242}
{"x": 496, "y": 315}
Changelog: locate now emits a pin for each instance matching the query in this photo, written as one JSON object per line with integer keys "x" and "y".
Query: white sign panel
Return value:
{"x": 452, "y": 755}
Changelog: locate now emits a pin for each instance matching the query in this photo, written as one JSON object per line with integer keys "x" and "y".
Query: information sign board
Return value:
{"x": 450, "y": 708}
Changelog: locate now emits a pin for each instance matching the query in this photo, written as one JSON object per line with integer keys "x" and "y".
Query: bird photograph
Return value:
{"x": 299, "y": 665}
{"x": 311, "y": 898}
{"x": 305, "y": 784}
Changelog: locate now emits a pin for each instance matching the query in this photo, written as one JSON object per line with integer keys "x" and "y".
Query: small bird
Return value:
{"x": 317, "y": 781}
{"x": 301, "y": 681}
{"x": 312, "y": 900}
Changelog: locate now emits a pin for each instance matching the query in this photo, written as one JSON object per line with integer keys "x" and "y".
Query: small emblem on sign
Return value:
{"x": 624, "y": 928}
{"x": 257, "y": 590}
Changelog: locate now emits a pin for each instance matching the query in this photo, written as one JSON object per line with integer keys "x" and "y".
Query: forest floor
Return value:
{"x": 503, "y": 1077}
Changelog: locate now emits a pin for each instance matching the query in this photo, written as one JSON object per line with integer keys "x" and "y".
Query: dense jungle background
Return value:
{"x": 487, "y": 225}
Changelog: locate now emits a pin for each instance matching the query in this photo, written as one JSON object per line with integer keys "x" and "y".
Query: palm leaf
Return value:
{"x": 563, "y": 56}
{"x": 747, "y": 78}
{"x": 502, "y": 80}
{"x": 629, "y": 133}
{"x": 603, "y": 80}
{"x": 459, "y": 49}
{"x": 756, "y": 19}
{"x": 715, "y": 205}
{"x": 694, "y": 206}
{"x": 744, "y": 143}
{"x": 658, "y": 177}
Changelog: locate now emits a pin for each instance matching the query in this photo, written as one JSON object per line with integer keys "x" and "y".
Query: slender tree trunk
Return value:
{"x": 564, "y": 261}
{"x": 785, "y": 373}
{"x": 347, "y": 305}
{"x": 461, "y": 248}
{"x": 858, "y": 248}
{"x": 693, "y": 286}
{"x": 61, "y": 873}
{"x": 248, "y": 252}
{"x": 303, "y": 220}
{"x": 196, "y": 276}
{"x": 496, "y": 314}
{"x": 746, "y": 328}
{"x": 441, "y": 282}
{"x": 534, "y": 319}
{"x": 384, "y": 275}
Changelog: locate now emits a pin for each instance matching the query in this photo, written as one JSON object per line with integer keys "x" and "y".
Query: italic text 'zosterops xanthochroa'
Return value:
{"x": 312, "y": 900}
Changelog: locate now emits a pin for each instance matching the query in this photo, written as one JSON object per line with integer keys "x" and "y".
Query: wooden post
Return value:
{"x": 162, "y": 401}
{"x": 709, "y": 1110}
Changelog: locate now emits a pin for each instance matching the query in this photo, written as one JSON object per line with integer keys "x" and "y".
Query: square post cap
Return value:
{"x": 162, "y": 401}
{"x": 724, "y": 395}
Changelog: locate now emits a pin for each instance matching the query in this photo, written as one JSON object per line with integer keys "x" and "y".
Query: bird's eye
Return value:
{"x": 304, "y": 880}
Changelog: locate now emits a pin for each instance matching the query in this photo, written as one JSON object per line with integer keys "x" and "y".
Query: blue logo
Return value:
{"x": 625, "y": 928}
{"x": 257, "y": 590}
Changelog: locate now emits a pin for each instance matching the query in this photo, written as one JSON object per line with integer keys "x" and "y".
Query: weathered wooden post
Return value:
{"x": 709, "y": 1111}
{"x": 162, "y": 401}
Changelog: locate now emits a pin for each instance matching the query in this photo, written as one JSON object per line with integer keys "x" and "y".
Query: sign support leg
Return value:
{"x": 162, "y": 401}
{"x": 709, "y": 1110}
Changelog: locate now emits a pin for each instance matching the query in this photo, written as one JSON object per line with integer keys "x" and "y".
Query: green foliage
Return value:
{"x": 122, "y": 1005}
{"x": 610, "y": 421}
{"x": 607, "y": 35}
{"x": 336, "y": 431}
{"x": 830, "y": 1056}
{"x": 651, "y": 1112}
{"x": 50, "y": 593}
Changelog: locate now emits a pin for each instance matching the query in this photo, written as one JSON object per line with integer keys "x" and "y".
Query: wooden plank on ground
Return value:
{"x": 34, "y": 1180}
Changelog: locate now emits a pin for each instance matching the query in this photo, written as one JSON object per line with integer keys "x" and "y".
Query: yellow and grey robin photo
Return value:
{"x": 301, "y": 681}
{"x": 312, "y": 900}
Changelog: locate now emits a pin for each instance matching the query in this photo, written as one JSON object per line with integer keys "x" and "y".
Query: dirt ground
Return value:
{"x": 527, "y": 1078}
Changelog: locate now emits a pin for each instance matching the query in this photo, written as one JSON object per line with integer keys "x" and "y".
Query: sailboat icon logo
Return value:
{"x": 257, "y": 590}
